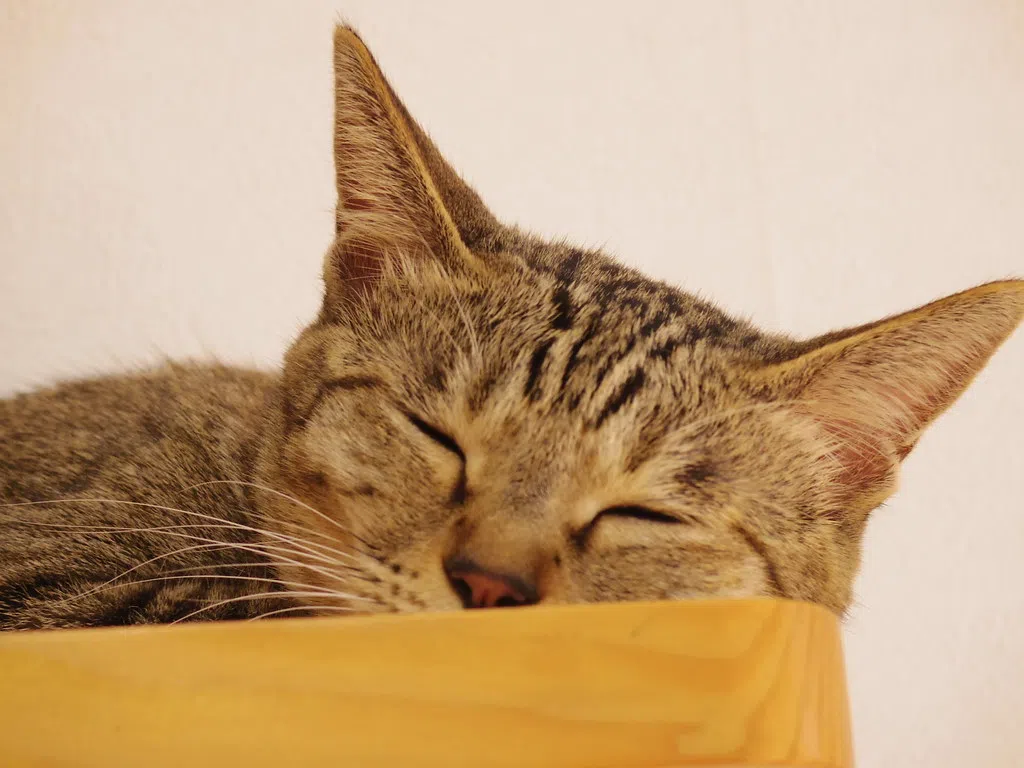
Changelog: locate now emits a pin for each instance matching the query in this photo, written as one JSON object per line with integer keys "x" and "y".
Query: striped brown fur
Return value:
{"x": 472, "y": 395}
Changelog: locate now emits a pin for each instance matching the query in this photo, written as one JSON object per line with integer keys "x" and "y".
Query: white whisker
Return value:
{"x": 268, "y": 489}
{"x": 221, "y": 522}
{"x": 261, "y": 549}
{"x": 169, "y": 529}
{"x": 259, "y": 595}
{"x": 183, "y": 550}
{"x": 282, "y": 495}
{"x": 227, "y": 577}
{"x": 339, "y": 608}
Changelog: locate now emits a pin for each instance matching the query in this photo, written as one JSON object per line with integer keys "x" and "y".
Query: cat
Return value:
{"x": 476, "y": 418}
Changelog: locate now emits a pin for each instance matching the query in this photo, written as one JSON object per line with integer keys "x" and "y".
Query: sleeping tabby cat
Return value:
{"x": 476, "y": 418}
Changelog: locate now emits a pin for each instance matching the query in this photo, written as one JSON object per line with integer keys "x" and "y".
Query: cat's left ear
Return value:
{"x": 872, "y": 390}
{"x": 390, "y": 211}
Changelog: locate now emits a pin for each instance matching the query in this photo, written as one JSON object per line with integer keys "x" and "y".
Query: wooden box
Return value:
{"x": 708, "y": 683}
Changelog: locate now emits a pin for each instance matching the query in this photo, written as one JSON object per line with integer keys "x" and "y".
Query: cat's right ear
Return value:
{"x": 872, "y": 390}
{"x": 399, "y": 203}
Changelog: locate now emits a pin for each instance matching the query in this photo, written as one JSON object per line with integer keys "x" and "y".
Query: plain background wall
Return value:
{"x": 166, "y": 188}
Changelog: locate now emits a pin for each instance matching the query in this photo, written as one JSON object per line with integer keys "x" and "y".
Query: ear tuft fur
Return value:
{"x": 389, "y": 210}
{"x": 874, "y": 389}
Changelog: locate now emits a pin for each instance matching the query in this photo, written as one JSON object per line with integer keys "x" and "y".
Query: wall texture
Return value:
{"x": 166, "y": 189}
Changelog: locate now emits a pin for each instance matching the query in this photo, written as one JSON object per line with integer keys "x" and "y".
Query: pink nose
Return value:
{"x": 481, "y": 589}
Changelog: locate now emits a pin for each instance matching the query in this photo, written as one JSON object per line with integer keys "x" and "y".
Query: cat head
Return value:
{"x": 480, "y": 418}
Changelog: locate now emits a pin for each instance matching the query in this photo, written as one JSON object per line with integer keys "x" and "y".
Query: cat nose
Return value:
{"x": 479, "y": 588}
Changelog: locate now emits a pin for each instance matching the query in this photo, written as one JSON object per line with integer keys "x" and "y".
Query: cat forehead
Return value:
{"x": 549, "y": 323}
{"x": 589, "y": 286}
{"x": 558, "y": 329}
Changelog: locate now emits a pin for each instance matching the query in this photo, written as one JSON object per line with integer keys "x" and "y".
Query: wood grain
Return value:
{"x": 756, "y": 682}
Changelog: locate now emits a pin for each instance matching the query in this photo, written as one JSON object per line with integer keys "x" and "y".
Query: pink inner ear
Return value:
{"x": 875, "y": 401}
{"x": 864, "y": 457}
{"x": 876, "y": 423}
{"x": 357, "y": 263}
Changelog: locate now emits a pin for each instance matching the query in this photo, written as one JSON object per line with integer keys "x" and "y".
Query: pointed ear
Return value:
{"x": 474, "y": 221}
{"x": 874, "y": 389}
{"x": 390, "y": 210}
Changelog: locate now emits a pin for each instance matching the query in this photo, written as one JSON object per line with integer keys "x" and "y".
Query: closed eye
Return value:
{"x": 444, "y": 440}
{"x": 632, "y": 512}
{"x": 639, "y": 513}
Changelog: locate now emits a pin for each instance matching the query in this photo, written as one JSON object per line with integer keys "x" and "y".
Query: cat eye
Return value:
{"x": 629, "y": 511}
{"x": 638, "y": 513}
{"x": 444, "y": 440}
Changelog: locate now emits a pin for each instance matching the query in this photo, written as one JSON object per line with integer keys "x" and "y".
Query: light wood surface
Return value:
{"x": 757, "y": 682}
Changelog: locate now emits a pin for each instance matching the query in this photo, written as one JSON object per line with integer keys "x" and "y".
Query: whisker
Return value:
{"x": 221, "y": 522}
{"x": 261, "y": 549}
{"x": 274, "y": 491}
{"x": 260, "y": 595}
{"x": 287, "y": 497}
{"x": 350, "y": 572}
{"x": 169, "y": 529}
{"x": 306, "y": 530}
{"x": 197, "y": 577}
{"x": 183, "y": 550}
{"x": 339, "y": 608}
{"x": 247, "y": 484}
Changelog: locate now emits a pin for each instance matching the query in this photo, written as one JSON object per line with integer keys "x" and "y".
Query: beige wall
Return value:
{"x": 166, "y": 187}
